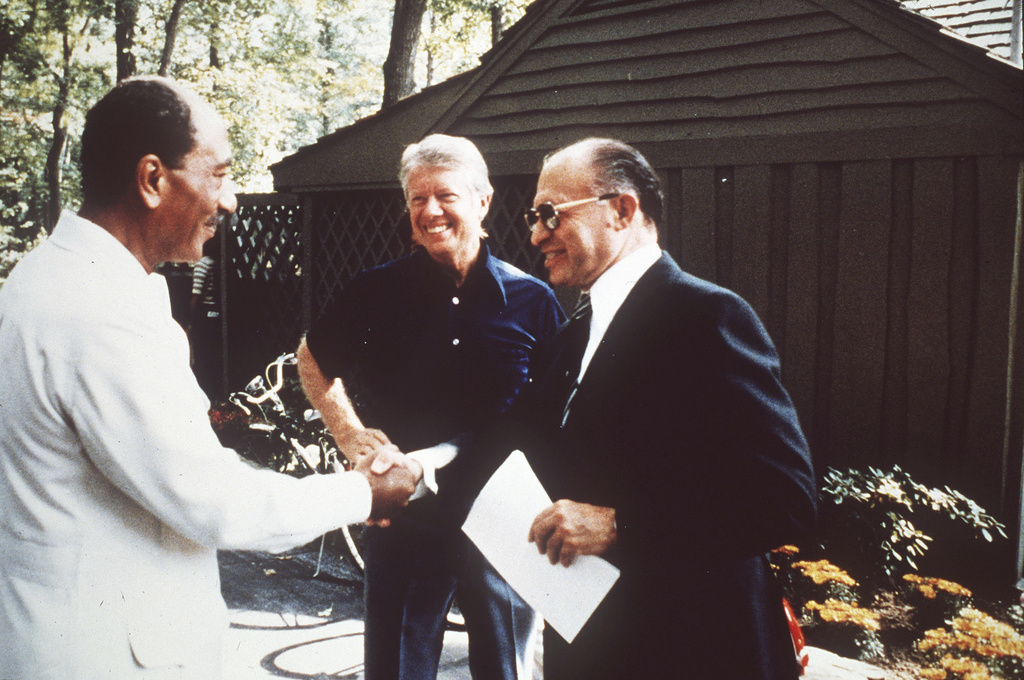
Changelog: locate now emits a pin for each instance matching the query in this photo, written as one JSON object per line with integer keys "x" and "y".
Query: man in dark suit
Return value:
{"x": 671, "y": 444}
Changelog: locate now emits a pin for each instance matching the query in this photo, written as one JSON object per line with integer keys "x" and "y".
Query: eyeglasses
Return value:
{"x": 547, "y": 214}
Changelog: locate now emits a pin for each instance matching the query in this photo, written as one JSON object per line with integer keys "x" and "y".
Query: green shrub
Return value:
{"x": 867, "y": 518}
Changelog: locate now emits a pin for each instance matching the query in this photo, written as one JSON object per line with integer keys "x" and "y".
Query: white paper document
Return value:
{"x": 499, "y": 525}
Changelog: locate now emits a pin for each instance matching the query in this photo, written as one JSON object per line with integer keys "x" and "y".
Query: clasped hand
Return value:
{"x": 359, "y": 442}
{"x": 568, "y": 529}
{"x": 393, "y": 478}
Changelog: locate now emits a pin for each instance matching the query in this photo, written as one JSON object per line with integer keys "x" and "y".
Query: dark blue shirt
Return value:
{"x": 424, "y": 360}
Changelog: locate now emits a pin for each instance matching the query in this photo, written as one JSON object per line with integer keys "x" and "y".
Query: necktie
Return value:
{"x": 577, "y": 334}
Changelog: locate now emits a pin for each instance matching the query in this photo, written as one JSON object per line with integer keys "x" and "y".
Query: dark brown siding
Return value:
{"x": 709, "y": 70}
{"x": 887, "y": 287}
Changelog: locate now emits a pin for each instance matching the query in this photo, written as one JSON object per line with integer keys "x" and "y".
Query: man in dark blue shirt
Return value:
{"x": 429, "y": 346}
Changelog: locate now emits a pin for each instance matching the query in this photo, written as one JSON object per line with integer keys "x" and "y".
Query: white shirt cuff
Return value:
{"x": 432, "y": 459}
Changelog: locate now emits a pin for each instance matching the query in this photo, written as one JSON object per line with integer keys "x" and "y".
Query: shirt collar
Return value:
{"x": 89, "y": 240}
{"x": 77, "y": 234}
{"x": 612, "y": 287}
{"x": 485, "y": 276}
{"x": 493, "y": 266}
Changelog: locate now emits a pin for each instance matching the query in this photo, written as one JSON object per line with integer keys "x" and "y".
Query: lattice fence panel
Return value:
{"x": 353, "y": 231}
{"x": 509, "y": 238}
{"x": 264, "y": 283}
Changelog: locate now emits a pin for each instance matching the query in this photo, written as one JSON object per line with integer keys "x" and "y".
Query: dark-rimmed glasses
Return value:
{"x": 547, "y": 214}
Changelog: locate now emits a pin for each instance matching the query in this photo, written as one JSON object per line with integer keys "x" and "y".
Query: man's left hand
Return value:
{"x": 568, "y": 529}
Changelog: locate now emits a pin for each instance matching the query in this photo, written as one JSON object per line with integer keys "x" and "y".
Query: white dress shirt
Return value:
{"x": 115, "y": 491}
{"x": 610, "y": 291}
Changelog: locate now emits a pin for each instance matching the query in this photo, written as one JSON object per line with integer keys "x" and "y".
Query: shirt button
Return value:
{"x": 455, "y": 300}
{"x": 455, "y": 342}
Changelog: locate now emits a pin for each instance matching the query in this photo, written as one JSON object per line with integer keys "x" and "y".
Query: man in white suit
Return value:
{"x": 115, "y": 491}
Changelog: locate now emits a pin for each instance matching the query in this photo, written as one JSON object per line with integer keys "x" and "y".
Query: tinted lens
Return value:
{"x": 544, "y": 212}
{"x": 531, "y": 217}
{"x": 548, "y": 213}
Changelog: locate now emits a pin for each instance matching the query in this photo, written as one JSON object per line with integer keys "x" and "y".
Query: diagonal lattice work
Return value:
{"x": 352, "y": 231}
{"x": 509, "y": 238}
{"x": 265, "y": 243}
{"x": 264, "y": 288}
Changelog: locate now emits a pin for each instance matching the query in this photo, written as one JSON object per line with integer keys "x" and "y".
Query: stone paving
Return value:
{"x": 287, "y": 624}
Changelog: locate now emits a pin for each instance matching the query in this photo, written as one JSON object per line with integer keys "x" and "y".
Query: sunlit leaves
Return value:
{"x": 287, "y": 72}
{"x": 884, "y": 503}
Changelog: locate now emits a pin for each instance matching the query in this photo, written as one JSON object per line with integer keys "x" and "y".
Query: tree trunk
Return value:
{"x": 497, "y": 18}
{"x": 170, "y": 35}
{"x": 215, "y": 45}
{"x": 430, "y": 50}
{"x": 405, "y": 36}
{"x": 324, "y": 96}
{"x": 126, "y": 14}
{"x": 54, "y": 167}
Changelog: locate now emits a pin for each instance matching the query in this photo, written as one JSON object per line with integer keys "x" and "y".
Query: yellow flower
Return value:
{"x": 969, "y": 669}
{"x": 889, "y": 487}
{"x": 977, "y": 633}
{"x": 837, "y": 611}
{"x": 928, "y": 586}
{"x": 932, "y": 674}
{"x": 823, "y": 570}
{"x": 787, "y": 550}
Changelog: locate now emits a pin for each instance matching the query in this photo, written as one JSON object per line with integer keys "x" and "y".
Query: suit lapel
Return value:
{"x": 629, "y": 318}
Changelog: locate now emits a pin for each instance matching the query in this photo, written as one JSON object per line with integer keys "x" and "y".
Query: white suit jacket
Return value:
{"x": 114, "y": 491}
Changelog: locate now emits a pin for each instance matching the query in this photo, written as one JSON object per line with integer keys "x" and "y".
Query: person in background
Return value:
{"x": 205, "y": 335}
{"x": 115, "y": 491}
{"x": 431, "y": 345}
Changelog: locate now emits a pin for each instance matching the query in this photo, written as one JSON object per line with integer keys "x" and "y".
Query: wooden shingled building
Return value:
{"x": 851, "y": 167}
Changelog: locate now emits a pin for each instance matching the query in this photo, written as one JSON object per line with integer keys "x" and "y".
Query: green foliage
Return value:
{"x": 22, "y": 190}
{"x": 868, "y": 526}
{"x": 457, "y": 32}
{"x": 873, "y": 511}
{"x": 282, "y": 73}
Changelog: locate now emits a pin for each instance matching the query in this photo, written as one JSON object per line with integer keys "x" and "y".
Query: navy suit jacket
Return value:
{"x": 682, "y": 425}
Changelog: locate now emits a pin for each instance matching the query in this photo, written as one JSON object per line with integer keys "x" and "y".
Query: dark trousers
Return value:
{"x": 412, "y": 575}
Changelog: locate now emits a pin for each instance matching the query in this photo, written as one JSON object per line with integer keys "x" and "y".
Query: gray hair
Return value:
{"x": 451, "y": 153}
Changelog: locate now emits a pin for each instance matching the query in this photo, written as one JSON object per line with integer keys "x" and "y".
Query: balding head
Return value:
{"x": 619, "y": 168}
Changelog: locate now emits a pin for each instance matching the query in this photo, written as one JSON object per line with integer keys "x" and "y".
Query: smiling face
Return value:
{"x": 199, "y": 191}
{"x": 586, "y": 242}
{"x": 446, "y": 215}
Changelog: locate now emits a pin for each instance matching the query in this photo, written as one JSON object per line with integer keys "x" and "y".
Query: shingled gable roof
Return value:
{"x": 722, "y": 81}
{"x": 989, "y": 23}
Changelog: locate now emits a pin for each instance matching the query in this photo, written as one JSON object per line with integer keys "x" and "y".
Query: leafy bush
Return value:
{"x": 870, "y": 513}
{"x": 934, "y": 626}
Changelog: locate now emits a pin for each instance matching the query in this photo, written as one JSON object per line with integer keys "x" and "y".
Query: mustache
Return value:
{"x": 223, "y": 220}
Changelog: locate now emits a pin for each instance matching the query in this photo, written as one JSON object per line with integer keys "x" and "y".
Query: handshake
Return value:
{"x": 392, "y": 475}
